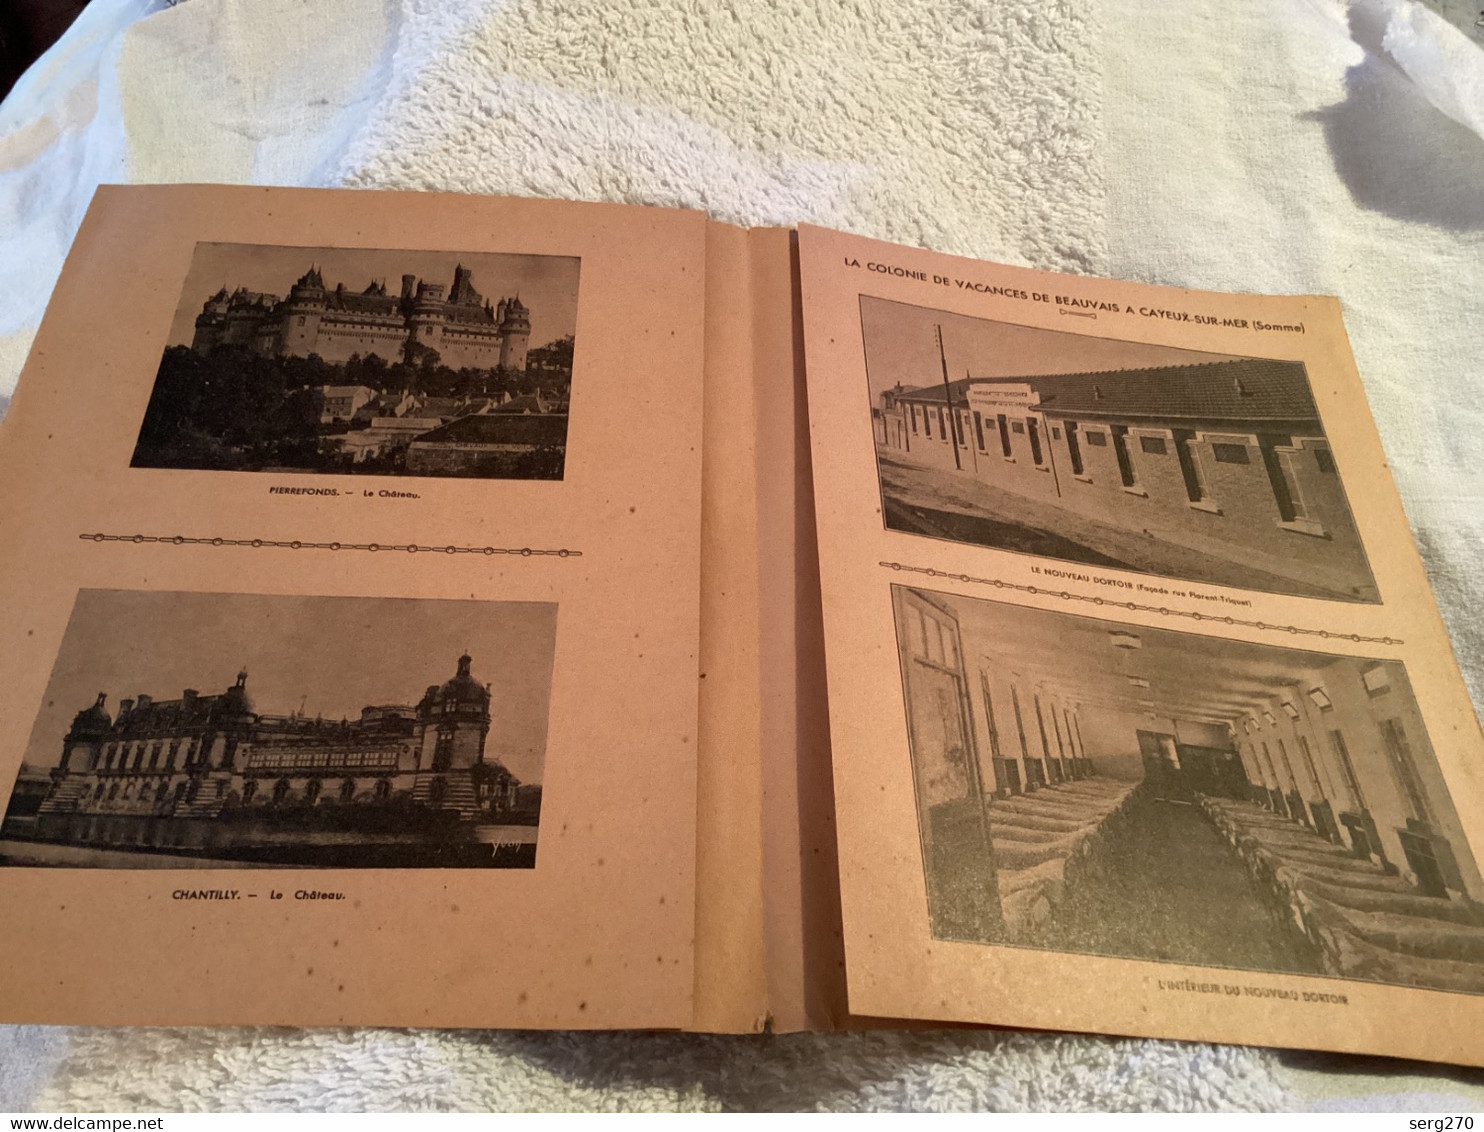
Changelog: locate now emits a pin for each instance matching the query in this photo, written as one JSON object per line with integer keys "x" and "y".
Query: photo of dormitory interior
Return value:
{"x": 284, "y": 359}
{"x": 1088, "y": 786}
{"x": 1203, "y": 467}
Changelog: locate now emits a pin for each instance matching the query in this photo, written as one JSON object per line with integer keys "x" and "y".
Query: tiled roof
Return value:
{"x": 501, "y": 428}
{"x": 1245, "y": 389}
{"x": 933, "y": 394}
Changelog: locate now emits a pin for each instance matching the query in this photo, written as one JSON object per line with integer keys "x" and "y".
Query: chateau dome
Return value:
{"x": 94, "y": 720}
{"x": 460, "y": 693}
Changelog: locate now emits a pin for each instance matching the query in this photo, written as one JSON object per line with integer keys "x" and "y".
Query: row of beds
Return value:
{"x": 1363, "y": 921}
{"x": 1038, "y": 836}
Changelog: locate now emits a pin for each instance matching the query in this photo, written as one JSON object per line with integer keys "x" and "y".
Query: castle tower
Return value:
{"x": 515, "y": 334}
{"x": 304, "y": 308}
{"x": 426, "y": 319}
{"x": 453, "y": 719}
{"x": 89, "y": 728}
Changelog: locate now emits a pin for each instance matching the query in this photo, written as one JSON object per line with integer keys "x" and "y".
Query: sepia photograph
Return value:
{"x": 209, "y": 730}
{"x": 366, "y": 361}
{"x": 1190, "y": 465}
{"x": 1093, "y": 787}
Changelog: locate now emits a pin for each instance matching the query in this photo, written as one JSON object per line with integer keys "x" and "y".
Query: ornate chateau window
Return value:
{"x": 311, "y": 791}
{"x": 383, "y": 790}
{"x": 348, "y": 791}
{"x": 443, "y": 751}
{"x": 249, "y": 790}
{"x": 280, "y": 791}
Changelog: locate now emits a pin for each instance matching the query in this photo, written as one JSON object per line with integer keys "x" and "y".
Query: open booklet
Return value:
{"x": 434, "y": 610}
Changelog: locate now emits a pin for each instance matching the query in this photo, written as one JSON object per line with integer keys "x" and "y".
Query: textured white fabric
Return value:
{"x": 964, "y": 125}
{"x": 1278, "y": 147}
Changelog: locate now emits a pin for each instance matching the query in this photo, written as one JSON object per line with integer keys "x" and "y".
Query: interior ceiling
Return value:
{"x": 1190, "y": 676}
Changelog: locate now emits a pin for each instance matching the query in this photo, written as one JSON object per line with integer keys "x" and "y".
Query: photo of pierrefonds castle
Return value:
{"x": 1201, "y": 467}
{"x": 309, "y": 360}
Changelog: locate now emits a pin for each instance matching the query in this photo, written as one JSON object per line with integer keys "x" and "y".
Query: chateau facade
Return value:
{"x": 460, "y": 324}
{"x": 214, "y": 756}
{"x": 1226, "y": 457}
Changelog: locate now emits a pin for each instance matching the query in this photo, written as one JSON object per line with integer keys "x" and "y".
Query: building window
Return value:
{"x": 1190, "y": 469}
{"x": 383, "y": 791}
{"x": 1230, "y": 454}
{"x": 914, "y": 419}
{"x": 1399, "y": 751}
{"x": 1074, "y": 449}
{"x": 1153, "y": 445}
{"x": 1309, "y": 765}
{"x": 1025, "y": 751}
{"x": 347, "y": 791}
{"x": 301, "y": 320}
{"x": 1033, "y": 430}
{"x": 1005, "y": 448}
{"x": 1125, "y": 464}
{"x": 1041, "y": 726}
{"x": 249, "y": 790}
{"x": 927, "y": 423}
{"x": 1347, "y": 769}
{"x": 1096, "y": 438}
{"x": 311, "y": 791}
{"x": 1018, "y": 427}
{"x": 280, "y": 791}
{"x": 1324, "y": 460}
{"x": 989, "y": 720}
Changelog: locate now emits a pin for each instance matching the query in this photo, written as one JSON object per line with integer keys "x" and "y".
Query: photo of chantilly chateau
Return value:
{"x": 355, "y": 360}
{"x": 1203, "y": 467}
{"x": 1094, "y": 787}
{"x": 185, "y": 730}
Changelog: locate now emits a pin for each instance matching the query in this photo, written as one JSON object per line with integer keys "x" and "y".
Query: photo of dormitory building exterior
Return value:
{"x": 1197, "y": 468}
{"x": 203, "y": 778}
{"x": 434, "y": 379}
{"x": 1088, "y": 786}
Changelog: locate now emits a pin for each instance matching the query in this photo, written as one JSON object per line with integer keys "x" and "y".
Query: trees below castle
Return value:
{"x": 234, "y": 408}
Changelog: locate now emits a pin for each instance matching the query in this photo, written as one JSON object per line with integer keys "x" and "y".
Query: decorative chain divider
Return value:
{"x": 297, "y": 544}
{"x": 1165, "y": 611}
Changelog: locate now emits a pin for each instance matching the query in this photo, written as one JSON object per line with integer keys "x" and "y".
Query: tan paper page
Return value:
{"x": 353, "y": 577}
{"x": 1143, "y": 719}
{"x": 768, "y": 948}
